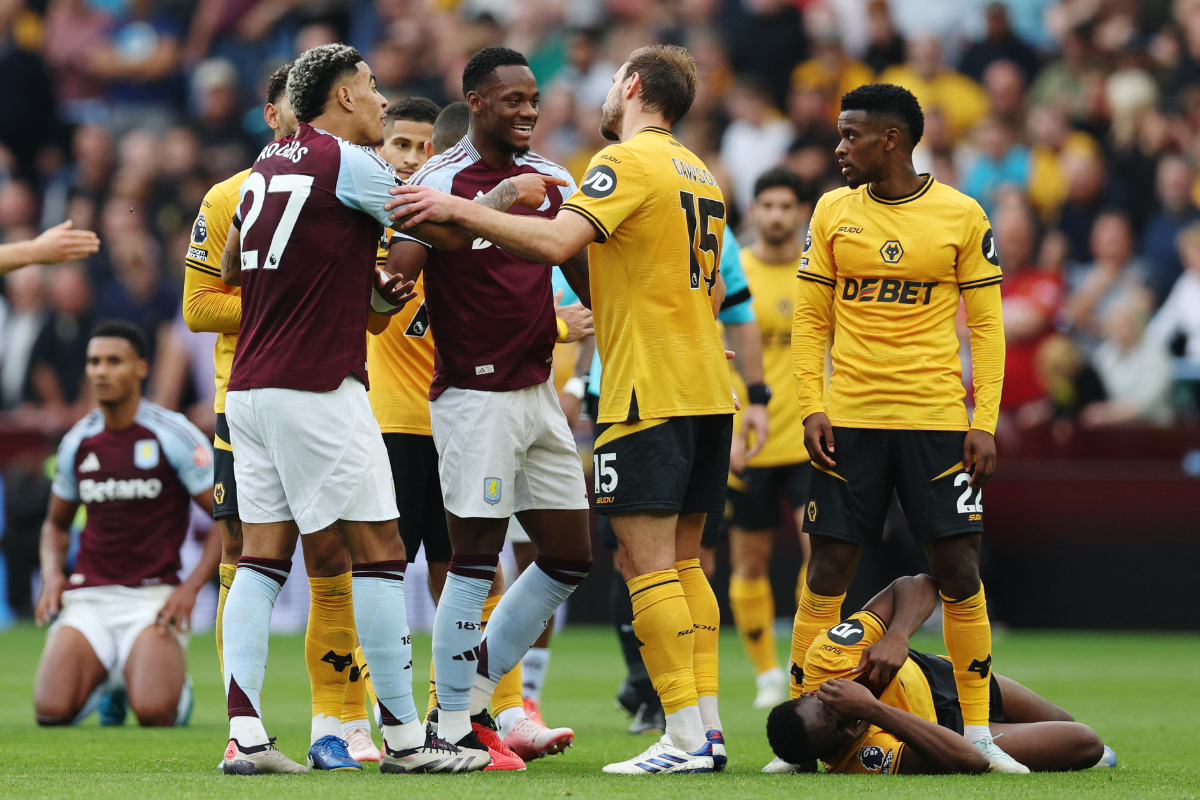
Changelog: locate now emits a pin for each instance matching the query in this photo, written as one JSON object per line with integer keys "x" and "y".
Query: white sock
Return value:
{"x": 976, "y": 733}
{"x": 453, "y": 725}
{"x": 534, "y": 665}
{"x": 404, "y": 736}
{"x": 481, "y": 694}
{"x": 507, "y": 718}
{"x": 325, "y": 725}
{"x": 249, "y": 731}
{"x": 708, "y": 713}
{"x": 355, "y": 724}
{"x": 686, "y": 729}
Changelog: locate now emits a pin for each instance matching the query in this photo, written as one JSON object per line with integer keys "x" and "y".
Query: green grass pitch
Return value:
{"x": 1141, "y": 692}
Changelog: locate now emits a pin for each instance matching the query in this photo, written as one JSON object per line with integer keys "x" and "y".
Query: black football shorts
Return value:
{"x": 678, "y": 464}
{"x": 224, "y": 488}
{"x": 923, "y": 468}
{"x": 939, "y": 672}
{"x": 755, "y": 494}
{"x": 414, "y": 462}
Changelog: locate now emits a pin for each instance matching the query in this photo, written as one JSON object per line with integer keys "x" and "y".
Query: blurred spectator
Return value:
{"x": 1089, "y": 191}
{"x": 831, "y": 71}
{"x": 22, "y": 316}
{"x": 1176, "y": 325}
{"x": 1173, "y": 190}
{"x": 25, "y": 89}
{"x": 1072, "y": 384}
{"x": 1060, "y": 83}
{"x": 1002, "y": 162}
{"x": 138, "y": 293}
{"x": 1051, "y": 138}
{"x": 588, "y": 74}
{"x": 1135, "y": 369}
{"x": 885, "y": 46}
{"x": 769, "y": 46}
{"x": 1005, "y": 87}
{"x": 139, "y": 62}
{"x": 60, "y": 352}
{"x": 219, "y": 119}
{"x": 961, "y": 100}
{"x": 1097, "y": 287}
{"x": 74, "y": 29}
{"x": 755, "y": 141}
{"x": 999, "y": 43}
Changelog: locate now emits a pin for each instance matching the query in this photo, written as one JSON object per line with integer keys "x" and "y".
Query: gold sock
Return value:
{"x": 508, "y": 690}
{"x": 225, "y": 574}
{"x": 329, "y": 642}
{"x": 753, "y": 606}
{"x": 663, "y": 624}
{"x": 432, "y": 691}
{"x": 800, "y": 581}
{"x": 354, "y": 705}
{"x": 814, "y": 613}
{"x": 706, "y": 621}
{"x": 968, "y": 636}
{"x": 364, "y": 674}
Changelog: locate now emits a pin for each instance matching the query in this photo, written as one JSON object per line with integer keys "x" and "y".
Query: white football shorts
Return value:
{"x": 312, "y": 457}
{"x": 503, "y": 452}
{"x": 111, "y": 618}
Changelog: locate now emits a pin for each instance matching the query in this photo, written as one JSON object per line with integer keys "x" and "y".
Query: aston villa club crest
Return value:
{"x": 145, "y": 454}
{"x": 491, "y": 490}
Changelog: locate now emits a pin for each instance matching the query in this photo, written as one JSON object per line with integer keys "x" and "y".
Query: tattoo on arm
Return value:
{"x": 501, "y": 198}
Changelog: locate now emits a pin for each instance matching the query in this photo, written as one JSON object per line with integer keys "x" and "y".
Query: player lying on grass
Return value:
{"x": 872, "y": 705}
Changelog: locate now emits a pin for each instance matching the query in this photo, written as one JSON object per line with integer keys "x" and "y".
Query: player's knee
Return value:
{"x": 958, "y": 580}
{"x": 1090, "y": 748}
{"x": 829, "y": 576}
{"x": 54, "y": 712}
{"x": 156, "y": 716}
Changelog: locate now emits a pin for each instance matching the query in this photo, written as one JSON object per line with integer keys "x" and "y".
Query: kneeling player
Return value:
{"x": 124, "y": 614}
{"x": 871, "y": 705}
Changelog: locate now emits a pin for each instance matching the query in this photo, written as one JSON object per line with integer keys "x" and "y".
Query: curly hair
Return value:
{"x": 787, "y": 734}
{"x": 414, "y": 109}
{"x": 277, "y": 83}
{"x": 485, "y": 62}
{"x": 314, "y": 75}
{"x": 888, "y": 100}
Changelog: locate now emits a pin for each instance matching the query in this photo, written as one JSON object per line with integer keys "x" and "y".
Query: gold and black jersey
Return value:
{"x": 887, "y": 275}
{"x": 659, "y": 217}
{"x": 208, "y": 304}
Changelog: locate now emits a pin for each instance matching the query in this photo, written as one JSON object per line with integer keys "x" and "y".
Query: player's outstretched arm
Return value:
{"x": 929, "y": 748}
{"x": 903, "y": 606}
{"x": 58, "y": 244}
{"x": 56, "y": 538}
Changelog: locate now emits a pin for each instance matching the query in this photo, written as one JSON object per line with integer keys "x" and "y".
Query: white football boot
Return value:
{"x": 998, "y": 760}
{"x": 361, "y": 745}
{"x": 772, "y": 688}
{"x": 662, "y": 758}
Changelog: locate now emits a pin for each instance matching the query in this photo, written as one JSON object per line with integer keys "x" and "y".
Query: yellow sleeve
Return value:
{"x": 839, "y": 649}
{"x": 979, "y": 277}
{"x": 613, "y": 188}
{"x": 208, "y": 304}
{"x": 813, "y": 314}
{"x": 877, "y": 753}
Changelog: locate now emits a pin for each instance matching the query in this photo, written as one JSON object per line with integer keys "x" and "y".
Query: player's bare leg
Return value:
{"x": 753, "y": 604}
{"x": 156, "y": 678}
{"x": 69, "y": 679}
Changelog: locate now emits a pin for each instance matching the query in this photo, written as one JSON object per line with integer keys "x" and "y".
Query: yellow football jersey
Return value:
{"x": 773, "y": 289}
{"x": 400, "y": 363}
{"x": 208, "y": 304}
{"x": 839, "y": 650}
{"x": 660, "y": 220}
{"x": 891, "y": 273}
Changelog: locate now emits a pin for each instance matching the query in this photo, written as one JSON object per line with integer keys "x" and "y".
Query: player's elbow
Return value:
{"x": 191, "y": 314}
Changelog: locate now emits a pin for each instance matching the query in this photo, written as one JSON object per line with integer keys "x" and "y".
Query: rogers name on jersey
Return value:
{"x": 291, "y": 150}
{"x": 91, "y": 491}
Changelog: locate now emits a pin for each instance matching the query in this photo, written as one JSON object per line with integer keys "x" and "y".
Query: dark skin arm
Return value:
{"x": 56, "y": 538}
{"x": 979, "y": 456}
{"x": 575, "y": 270}
{"x": 903, "y": 606}
{"x": 176, "y": 613}
{"x": 929, "y": 748}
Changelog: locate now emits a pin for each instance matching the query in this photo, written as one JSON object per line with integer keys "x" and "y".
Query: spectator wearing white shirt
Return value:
{"x": 1135, "y": 369}
{"x": 755, "y": 141}
{"x": 1179, "y": 316}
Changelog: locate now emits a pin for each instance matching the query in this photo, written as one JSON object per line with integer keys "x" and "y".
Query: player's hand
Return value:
{"x": 846, "y": 699}
{"x": 755, "y": 421}
{"x": 420, "y": 204}
{"x": 63, "y": 243}
{"x": 176, "y": 613}
{"x": 50, "y": 599}
{"x": 818, "y": 439}
{"x": 737, "y": 451}
{"x": 394, "y": 290}
{"x": 531, "y": 188}
{"x": 881, "y": 661}
{"x": 979, "y": 457}
{"x": 577, "y": 316}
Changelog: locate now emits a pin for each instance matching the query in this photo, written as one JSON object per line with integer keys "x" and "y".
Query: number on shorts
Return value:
{"x": 298, "y": 188}
{"x": 602, "y": 470}
{"x": 698, "y": 213}
{"x": 964, "y": 504}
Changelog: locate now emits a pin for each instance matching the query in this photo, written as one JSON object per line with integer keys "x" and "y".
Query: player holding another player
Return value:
{"x": 503, "y": 442}
{"x": 891, "y": 256}
{"x": 124, "y": 616}
{"x": 662, "y": 458}
{"x": 209, "y": 305}
{"x": 779, "y": 470}
{"x": 859, "y": 719}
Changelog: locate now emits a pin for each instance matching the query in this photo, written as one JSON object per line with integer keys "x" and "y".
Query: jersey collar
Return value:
{"x": 655, "y": 129}
{"x": 908, "y": 198}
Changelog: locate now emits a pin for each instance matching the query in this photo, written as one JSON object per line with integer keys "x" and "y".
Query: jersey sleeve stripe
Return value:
{"x": 604, "y": 234}
{"x": 817, "y": 279}
{"x": 735, "y": 298}
{"x": 981, "y": 282}
{"x": 877, "y": 618}
{"x": 196, "y": 265}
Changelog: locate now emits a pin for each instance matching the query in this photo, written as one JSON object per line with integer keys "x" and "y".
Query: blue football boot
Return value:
{"x": 1108, "y": 760}
{"x": 329, "y": 752}
{"x": 715, "y": 747}
{"x": 113, "y": 707}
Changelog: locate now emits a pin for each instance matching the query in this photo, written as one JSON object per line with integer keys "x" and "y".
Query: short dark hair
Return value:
{"x": 669, "y": 80}
{"x": 485, "y": 62}
{"x": 120, "y": 329}
{"x": 781, "y": 177}
{"x": 451, "y": 126}
{"x": 787, "y": 735}
{"x": 314, "y": 74}
{"x": 277, "y": 83}
{"x": 414, "y": 109}
{"x": 888, "y": 100}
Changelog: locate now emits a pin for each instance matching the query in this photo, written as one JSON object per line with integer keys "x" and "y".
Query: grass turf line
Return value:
{"x": 1140, "y": 692}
